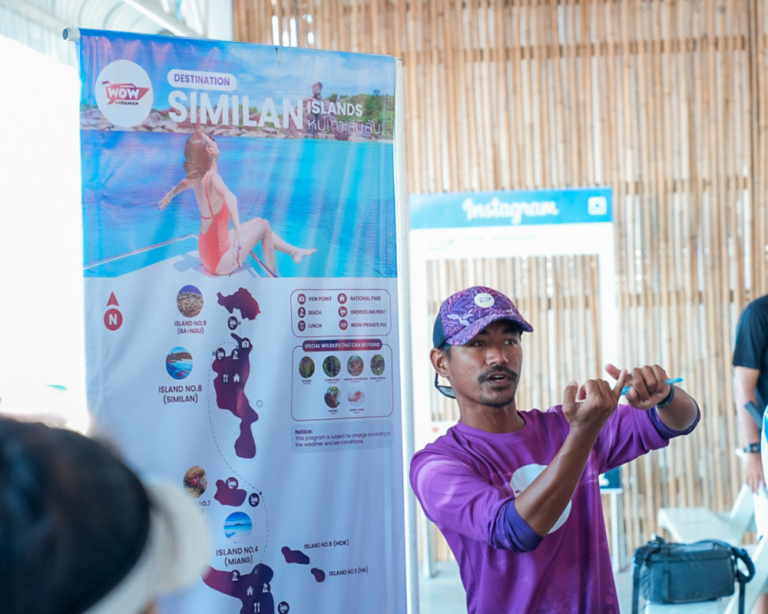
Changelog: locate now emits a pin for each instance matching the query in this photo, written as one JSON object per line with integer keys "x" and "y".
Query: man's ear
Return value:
{"x": 439, "y": 362}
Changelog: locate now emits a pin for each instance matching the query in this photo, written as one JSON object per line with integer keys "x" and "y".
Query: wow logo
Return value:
{"x": 124, "y": 93}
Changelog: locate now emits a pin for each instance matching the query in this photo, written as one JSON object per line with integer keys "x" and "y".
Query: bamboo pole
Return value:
{"x": 414, "y": 118}
{"x": 240, "y": 26}
{"x": 584, "y": 57}
{"x": 523, "y": 84}
{"x": 729, "y": 233}
{"x": 468, "y": 143}
{"x": 476, "y": 162}
{"x": 541, "y": 56}
{"x": 428, "y": 66}
{"x": 551, "y": 32}
{"x": 451, "y": 180}
{"x": 487, "y": 121}
{"x": 501, "y": 97}
{"x": 760, "y": 284}
{"x": 712, "y": 256}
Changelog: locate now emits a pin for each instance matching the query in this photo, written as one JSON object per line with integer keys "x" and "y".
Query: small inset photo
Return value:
{"x": 237, "y": 527}
{"x": 377, "y": 364}
{"x": 355, "y": 365}
{"x": 331, "y": 366}
{"x": 178, "y": 363}
{"x": 306, "y": 367}
{"x": 332, "y": 397}
{"x": 356, "y": 398}
{"x": 189, "y": 300}
{"x": 195, "y": 481}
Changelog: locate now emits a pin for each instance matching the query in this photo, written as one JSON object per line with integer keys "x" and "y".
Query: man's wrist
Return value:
{"x": 581, "y": 437}
{"x": 668, "y": 399}
{"x": 752, "y": 448}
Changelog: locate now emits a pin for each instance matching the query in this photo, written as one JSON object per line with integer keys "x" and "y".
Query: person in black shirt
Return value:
{"x": 750, "y": 384}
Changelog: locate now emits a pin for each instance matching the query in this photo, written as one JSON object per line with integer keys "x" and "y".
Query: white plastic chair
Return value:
{"x": 704, "y": 607}
{"x": 691, "y": 524}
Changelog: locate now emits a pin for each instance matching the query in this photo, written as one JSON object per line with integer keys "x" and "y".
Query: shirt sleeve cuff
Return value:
{"x": 666, "y": 432}
{"x": 512, "y": 532}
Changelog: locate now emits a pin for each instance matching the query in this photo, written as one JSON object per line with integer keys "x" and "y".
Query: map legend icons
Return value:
{"x": 346, "y": 313}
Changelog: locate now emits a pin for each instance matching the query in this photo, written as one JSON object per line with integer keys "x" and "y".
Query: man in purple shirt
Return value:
{"x": 516, "y": 493}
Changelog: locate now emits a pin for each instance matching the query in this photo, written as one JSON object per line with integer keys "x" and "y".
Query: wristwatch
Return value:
{"x": 752, "y": 448}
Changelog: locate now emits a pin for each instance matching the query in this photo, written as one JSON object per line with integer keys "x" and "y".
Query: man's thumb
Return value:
{"x": 569, "y": 396}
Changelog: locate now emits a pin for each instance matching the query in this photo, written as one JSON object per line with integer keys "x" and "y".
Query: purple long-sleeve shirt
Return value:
{"x": 467, "y": 481}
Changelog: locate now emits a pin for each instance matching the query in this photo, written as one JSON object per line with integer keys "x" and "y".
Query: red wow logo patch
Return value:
{"x": 124, "y": 91}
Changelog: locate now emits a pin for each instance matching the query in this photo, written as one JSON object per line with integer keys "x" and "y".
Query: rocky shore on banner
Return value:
{"x": 336, "y": 120}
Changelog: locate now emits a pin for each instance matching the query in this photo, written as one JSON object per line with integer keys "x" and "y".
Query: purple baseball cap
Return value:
{"x": 463, "y": 315}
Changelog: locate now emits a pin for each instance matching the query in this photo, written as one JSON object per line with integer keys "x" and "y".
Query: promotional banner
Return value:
{"x": 242, "y": 307}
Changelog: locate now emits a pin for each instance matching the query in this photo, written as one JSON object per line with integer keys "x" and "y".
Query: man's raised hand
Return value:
{"x": 646, "y": 385}
{"x": 590, "y": 406}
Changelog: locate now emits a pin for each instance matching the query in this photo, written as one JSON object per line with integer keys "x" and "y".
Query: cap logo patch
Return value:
{"x": 484, "y": 300}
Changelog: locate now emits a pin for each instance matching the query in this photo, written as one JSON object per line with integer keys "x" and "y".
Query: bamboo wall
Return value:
{"x": 665, "y": 102}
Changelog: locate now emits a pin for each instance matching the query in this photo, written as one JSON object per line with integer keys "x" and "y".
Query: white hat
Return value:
{"x": 174, "y": 557}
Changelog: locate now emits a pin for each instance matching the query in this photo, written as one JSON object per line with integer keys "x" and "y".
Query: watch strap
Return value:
{"x": 668, "y": 399}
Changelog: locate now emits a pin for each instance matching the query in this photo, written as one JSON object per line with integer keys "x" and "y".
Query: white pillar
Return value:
{"x": 219, "y": 25}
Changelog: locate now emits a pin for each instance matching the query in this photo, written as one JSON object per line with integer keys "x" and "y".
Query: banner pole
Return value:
{"x": 403, "y": 273}
{"x": 71, "y": 35}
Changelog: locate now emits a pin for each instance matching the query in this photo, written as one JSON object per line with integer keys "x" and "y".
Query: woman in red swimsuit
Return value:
{"x": 222, "y": 250}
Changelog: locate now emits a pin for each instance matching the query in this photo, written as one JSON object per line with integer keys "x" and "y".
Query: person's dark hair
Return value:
{"x": 74, "y": 520}
{"x": 198, "y": 158}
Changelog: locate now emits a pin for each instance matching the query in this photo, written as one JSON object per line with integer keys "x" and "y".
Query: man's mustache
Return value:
{"x": 491, "y": 372}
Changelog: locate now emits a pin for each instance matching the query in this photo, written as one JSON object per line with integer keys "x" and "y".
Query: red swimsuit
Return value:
{"x": 214, "y": 243}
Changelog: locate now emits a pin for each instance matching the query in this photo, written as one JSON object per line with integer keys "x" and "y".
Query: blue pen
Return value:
{"x": 673, "y": 380}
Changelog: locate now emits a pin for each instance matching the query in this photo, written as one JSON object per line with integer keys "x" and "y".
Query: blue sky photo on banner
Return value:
{"x": 241, "y": 307}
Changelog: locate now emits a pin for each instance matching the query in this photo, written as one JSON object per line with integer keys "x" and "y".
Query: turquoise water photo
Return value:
{"x": 178, "y": 363}
{"x": 335, "y": 196}
{"x": 237, "y": 526}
